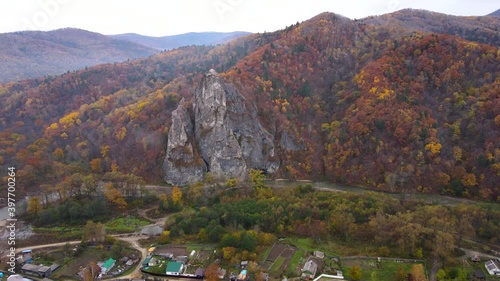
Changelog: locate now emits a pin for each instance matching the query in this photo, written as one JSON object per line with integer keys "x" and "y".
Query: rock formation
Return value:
{"x": 182, "y": 164}
{"x": 226, "y": 138}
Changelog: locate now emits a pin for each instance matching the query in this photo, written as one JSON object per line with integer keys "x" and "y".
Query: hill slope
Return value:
{"x": 495, "y": 13}
{"x": 32, "y": 54}
{"x": 479, "y": 29}
{"x": 187, "y": 39}
{"x": 345, "y": 101}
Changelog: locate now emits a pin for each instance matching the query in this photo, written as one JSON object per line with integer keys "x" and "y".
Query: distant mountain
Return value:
{"x": 495, "y": 13}
{"x": 30, "y": 54}
{"x": 186, "y": 39}
{"x": 478, "y": 29}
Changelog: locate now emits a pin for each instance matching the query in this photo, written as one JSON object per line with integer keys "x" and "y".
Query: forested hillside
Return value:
{"x": 387, "y": 106}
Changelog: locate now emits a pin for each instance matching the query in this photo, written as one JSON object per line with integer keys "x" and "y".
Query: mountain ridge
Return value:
{"x": 179, "y": 40}
{"x": 30, "y": 54}
{"x": 483, "y": 29}
{"x": 495, "y": 13}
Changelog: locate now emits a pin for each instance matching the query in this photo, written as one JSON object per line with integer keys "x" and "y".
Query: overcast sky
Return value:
{"x": 168, "y": 17}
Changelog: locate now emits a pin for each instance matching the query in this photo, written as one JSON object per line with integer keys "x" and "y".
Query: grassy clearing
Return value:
{"x": 386, "y": 270}
{"x": 302, "y": 243}
{"x": 297, "y": 258}
{"x": 195, "y": 247}
{"x": 335, "y": 247}
{"x": 63, "y": 233}
{"x": 124, "y": 225}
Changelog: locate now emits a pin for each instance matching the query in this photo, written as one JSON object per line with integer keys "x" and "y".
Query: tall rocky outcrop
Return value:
{"x": 183, "y": 163}
{"x": 225, "y": 139}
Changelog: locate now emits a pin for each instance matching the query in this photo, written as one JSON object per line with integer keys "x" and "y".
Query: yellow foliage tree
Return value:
{"x": 434, "y": 148}
{"x": 163, "y": 197}
{"x": 176, "y": 195}
{"x": 121, "y": 134}
{"x": 114, "y": 167}
{"x": 34, "y": 205}
{"x": 104, "y": 150}
{"x": 70, "y": 118}
{"x": 164, "y": 237}
{"x": 497, "y": 120}
{"x": 58, "y": 153}
{"x": 95, "y": 165}
{"x": 469, "y": 180}
{"x": 115, "y": 196}
{"x": 418, "y": 273}
{"x": 54, "y": 126}
{"x": 457, "y": 153}
{"x": 228, "y": 252}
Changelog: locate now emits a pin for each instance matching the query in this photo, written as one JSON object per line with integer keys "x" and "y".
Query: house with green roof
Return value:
{"x": 174, "y": 268}
{"x": 107, "y": 265}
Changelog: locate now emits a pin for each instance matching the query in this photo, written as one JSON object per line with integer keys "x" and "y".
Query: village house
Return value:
{"x": 492, "y": 268}
{"x": 309, "y": 270}
{"x": 107, "y": 266}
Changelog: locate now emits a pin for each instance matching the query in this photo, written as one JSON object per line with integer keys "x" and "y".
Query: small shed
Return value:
{"x": 146, "y": 261}
{"x": 319, "y": 254}
{"x": 17, "y": 277}
{"x": 153, "y": 262}
{"x": 36, "y": 270}
{"x": 200, "y": 272}
{"x": 242, "y": 276}
{"x": 181, "y": 259}
{"x": 221, "y": 273}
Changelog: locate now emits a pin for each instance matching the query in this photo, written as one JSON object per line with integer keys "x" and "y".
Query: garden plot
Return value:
{"x": 278, "y": 258}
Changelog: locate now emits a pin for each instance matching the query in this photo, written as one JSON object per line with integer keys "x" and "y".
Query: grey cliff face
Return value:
{"x": 213, "y": 131}
{"x": 226, "y": 138}
{"x": 183, "y": 164}
{"x": 257, "y": 144}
